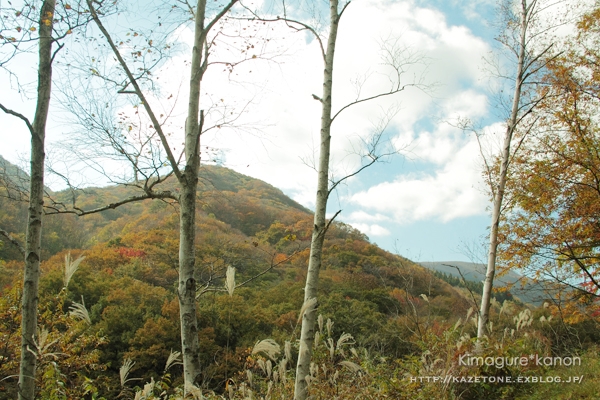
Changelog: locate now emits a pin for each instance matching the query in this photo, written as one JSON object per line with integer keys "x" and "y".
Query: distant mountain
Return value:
{"x": 522, "y": 287}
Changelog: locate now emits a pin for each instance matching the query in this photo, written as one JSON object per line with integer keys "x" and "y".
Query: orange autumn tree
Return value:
{"x": 554, "y": 229}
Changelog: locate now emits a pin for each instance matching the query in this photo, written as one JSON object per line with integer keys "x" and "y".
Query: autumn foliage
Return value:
{"x": 553, "y": 229}
{"x": 394, "y": 310}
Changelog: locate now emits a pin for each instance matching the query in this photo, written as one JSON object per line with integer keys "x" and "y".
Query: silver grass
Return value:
{"x": 457, "y": 324}
{"x": 424, "y": 296}
{"x": 146, "y": 391}
{"x": 71, "y": 267}
{"x": 331, "y": 347}
{"x": 230, "y": 280}
{"x": 276, "y": 377}
{"x": 288, "y": 349}
{"x": 336, "y": 376}
{"x": 42, "y": 344}
{"x": 523, "y": 319}
{"x": 354, "y": 352}
{"x": 282, "y": 369}
{"x": 437, "y": 362}
{"x": 173, "y": 359}
{"x": 320, "y": 321}
{"x": 345, "y": 339}
{"x": 283, "y": 365}
{"x": 317, "y": 339}
{"x": 329, "y": 326}
{"x": 469, "y": 312}
{"x": 42, "y": 340}
{"x": 79, "y": 311}
{"x": 505, "y": 307}
{"x": 309, "y": 305}
{"x": 269, "y": 368}
{"x": 495, "y": 302}
{"x": 125, "y": 370}
{"x": 268, "y": 347}
{"x": 353, "y": 367}
{"x": 463, "y": 339}
{"x": 148, "y": 388}
{"x": 424, "y": 357}
{"x": 194, "y": 391}
{"x": 262, "y": 365}
{"x": 249, "y": 397}
{"x": 284, "y": 378}
{"x": 250, "y": 376}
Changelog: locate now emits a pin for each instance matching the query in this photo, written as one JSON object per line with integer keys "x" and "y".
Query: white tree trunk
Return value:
{"x": 188, "y": 181}
{"x": 31, "y": 275}
{"x": 499, "y": 190}
{"x": 187, "y": 217}
{"x": 307, "y": 334}
{"x": 187, "y": 283}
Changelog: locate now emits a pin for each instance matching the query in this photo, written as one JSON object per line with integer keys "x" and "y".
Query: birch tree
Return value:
{"x": 52, "y": 25}
{"x": 399, "y": 61}
{"x": 553, "y": 233}
{"x": 525, "y": 40}
{"x": 154, "y": 160}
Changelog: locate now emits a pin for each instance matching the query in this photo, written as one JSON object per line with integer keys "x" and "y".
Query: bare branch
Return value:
{"x": 14, "y": 241}
{"x": 18, "y": 115}
{"x": 301, "y": 26}
{"x": 399, "y": 60}
{"x": 372, "y": 144}
{"x": 322, "y": 233}
{"x": 140, "y": 94}
{"x": 466, "y": 286}
{"x": 50, "y": 210}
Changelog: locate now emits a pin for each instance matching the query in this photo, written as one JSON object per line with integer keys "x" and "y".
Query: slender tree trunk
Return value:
{"x": 307, "y": 335}
{"x": 31, "y": 274}
{"x": 187, "y": 230}
{"x": 188, "y": 182}
{"x": 187, "y": 282}
{"x": 499, "y": 192}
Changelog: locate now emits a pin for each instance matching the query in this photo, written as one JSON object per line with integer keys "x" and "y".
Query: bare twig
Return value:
{"x": 14, "y": 241}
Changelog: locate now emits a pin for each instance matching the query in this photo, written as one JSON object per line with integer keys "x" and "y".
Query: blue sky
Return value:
{"x": 428, "y": 203}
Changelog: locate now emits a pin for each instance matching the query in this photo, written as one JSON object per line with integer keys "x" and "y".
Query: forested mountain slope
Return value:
{"x": 128, "y": 278}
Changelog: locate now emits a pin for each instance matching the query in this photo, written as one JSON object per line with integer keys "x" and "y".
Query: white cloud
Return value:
{"x": 454, "y": 54}
{"x": 284, "y": 119}
{"x": 362, "y": 216}
{"x": 290, "y": 117}
{"x": 448, "y": 193}
{"x": 371, "y": 229}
